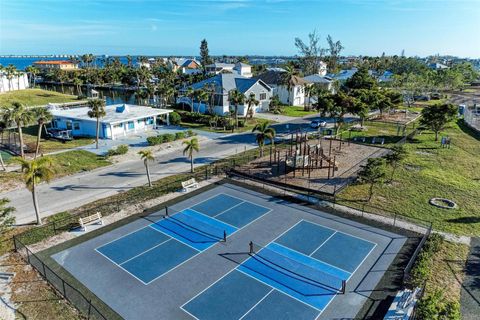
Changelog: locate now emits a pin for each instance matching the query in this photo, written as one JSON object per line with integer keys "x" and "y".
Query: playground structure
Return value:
{"x": 324, "y": 164}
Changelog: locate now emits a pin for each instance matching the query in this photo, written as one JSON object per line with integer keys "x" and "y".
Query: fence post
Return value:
{"x": 394, "y": 219}
{"x": 15, "y": 243}
{"x": 89, "y": 308}
{"x": 64, "y": 291}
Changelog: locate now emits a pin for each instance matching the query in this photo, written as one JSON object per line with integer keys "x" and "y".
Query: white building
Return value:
{"x": 223, "y": 84}
{"x": 120, "y": 120}
{"x": 239, "y": 68}
{"x": 289, "y": 91}
{"x": 16, "y": 82}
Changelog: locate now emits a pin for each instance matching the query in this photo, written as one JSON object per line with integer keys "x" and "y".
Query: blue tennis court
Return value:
{"x": 154, "y": 250}
{"x": 301, "y": 271}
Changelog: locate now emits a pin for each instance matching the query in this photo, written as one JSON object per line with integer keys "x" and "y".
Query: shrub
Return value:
{"x": 434, "y": 306}
{"x": 121, "y": 149}
{"x": 179, "y": 135}
{"x": 190, "y": 133}
{"x": 421, "y": 269}
{"x": 168, "y": 137}
{"x": 153, "y": 141}
{"x": 241, "y": 123}
{"x": 175, "y": 118}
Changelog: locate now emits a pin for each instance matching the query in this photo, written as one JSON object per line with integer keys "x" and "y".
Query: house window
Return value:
{"x": 131, "y": 125}
{"x": 263, "y": 96}
{"x": 149, "y": 120}
{"x": 69, "y": 125}
{"x": 76, "y": 126}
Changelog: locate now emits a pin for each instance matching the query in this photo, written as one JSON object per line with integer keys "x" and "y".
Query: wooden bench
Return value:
{"x": 94, "y": 218}
{"x": 190, "y": 183}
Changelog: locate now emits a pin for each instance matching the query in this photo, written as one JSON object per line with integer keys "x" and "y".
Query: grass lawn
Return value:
{"x": 34, "y": 97}
{"x": 296, "y": 111}
{"x": 248, "y": 127}
{"x": 387, "y": 131}
{"x": 65, "y": 163}
{"x": 430, "y": 171}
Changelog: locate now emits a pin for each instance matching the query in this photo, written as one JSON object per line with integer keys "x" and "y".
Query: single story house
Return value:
{"x": 295, "y": 95}
{"x": 223, "y": 84}
{"x": 120, "y": 120}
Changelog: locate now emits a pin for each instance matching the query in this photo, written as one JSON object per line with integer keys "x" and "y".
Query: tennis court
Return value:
{"x": 152, "y": 251}
{"x": 228, "y": 252}
{"x": 302, "y": 270}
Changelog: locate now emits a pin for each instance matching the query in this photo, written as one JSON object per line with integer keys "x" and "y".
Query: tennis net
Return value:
{"x": 196, "y": 225}
{"x": 296, "y": 269}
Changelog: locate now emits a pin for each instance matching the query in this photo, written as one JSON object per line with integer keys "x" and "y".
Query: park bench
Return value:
{"x": 190, "y": 183}
{"x": 94, "y": 218}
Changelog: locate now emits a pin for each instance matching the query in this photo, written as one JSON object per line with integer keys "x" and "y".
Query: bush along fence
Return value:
{"x": 170, "y": 137}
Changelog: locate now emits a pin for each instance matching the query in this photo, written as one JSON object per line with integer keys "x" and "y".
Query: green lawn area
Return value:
{"x": 296, "y": 111}
{"x": 65, "y": 163}
{"x": 431, "y": 171}
{"x": 34, "y": 97}
{"x": 388, "y": 131}
{"x": 248, "y": 127}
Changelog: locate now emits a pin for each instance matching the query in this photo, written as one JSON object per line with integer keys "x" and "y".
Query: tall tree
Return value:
{"x": 190, "y": 93}
{"x": 311, "y": 52}
{"x": 34, "y": 172}
{"x": 32, "y": 73}
{"x": 146, "y": 156}
{"x": 20, "y": 116}
{"x": 10, "y": 72}
{"x": 264, "y": 132}
{"x": 236, "y": 98}
{"x": 42, "y": 116}
{"x": 361, "y": 80}
{"x": 202, "y": 96}
{"x": 334, "y": 50}
{"x": 97, "y": 111}
{"x": 251, "y": 101}
{"x": 372, "y": 173}
{"x": 398, "y": 153}
{"x": 204, "y": 55}
{"x": 437, "y": 116}
{"x": 191, "y": 146}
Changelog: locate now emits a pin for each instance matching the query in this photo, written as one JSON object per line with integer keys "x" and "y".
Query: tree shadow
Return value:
{"x": 466, "y": 129}
{"x": 465, "y": 220}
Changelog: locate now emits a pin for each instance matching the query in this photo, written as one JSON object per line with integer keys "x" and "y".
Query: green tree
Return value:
{"x": 6, "y": 219}
{"x": 251, "y": 101}
{"x": 43, "y": 116}
{"x": 437, "y": 116}
{"x": 202, "y": 96}
{"x": 395, "y": 157}
{"x": 264, "y": 132}
{"x": 204, "y": 55}
{"x": 372, "y": 173}
{"x": 32, "y": 72}
{"x": 334, "y": 50}
{"x": 361, "y": 80}
{"x": 146, "y": 156}
{"x": 34, "y": 172}
{"x": 236, "y": 98}
{"x": 97, "y": 111}
{"x": 274, "y": 104}
{"x": 191, "y": 146}
{"x": 20, "y": 116}
{"x": 190, "y": 93}
{"x": 311, "y": 52}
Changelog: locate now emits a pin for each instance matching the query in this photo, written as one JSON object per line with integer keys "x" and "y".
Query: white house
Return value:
{"x": 289, "y": 91}
{"x": 222, "y": 84}
{"x": 239, "y": 68}
{"x": 120, "y": 120}
{"x": 15, "y": 82}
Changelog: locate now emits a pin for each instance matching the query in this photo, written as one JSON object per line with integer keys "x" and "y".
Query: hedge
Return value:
{"x": 169, "y": 137}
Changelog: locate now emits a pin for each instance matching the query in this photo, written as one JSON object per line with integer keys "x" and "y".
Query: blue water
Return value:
{"x": 22, "y": 63}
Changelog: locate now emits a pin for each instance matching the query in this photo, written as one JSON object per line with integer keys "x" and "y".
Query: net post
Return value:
{"x": 224, "y": 236}
{"x": 250, "y": 247}
{"x": 166, "y": 211}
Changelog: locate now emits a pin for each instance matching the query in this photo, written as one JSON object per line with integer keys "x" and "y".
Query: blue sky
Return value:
{"x": 266, "y": 27}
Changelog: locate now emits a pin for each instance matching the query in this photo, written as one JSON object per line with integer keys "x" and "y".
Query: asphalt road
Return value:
{"x": 76, "y": 190}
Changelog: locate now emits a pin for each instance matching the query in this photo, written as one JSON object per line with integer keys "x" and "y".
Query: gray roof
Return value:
{"x": 225, "y": 82}
{"x": 221, "y": 65}
{"x": 279, "y": 78}
{"x": 316, "y": 78}
{"x": 115, "y": 113}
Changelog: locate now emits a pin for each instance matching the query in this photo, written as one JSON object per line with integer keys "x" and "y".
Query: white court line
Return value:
{"x": 203, "y": 214}
{"x": 138, "y": 255}
{"x": 348, "y": 234}
{"x": 281, "y": 291}
{"x": 311, "y": 254}
{"x": 175, "y": 238}
{"x": 229, "y": 208}
{"x": 123, "y": 236}
{"x": 362, "y": 262}
{"x": 122, "y": 268}
{"x": 246, "y": 200}
{"x": 256, "y": 304}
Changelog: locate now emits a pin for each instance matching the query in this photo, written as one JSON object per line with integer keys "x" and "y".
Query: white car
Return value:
{"x": 315, "y": 124}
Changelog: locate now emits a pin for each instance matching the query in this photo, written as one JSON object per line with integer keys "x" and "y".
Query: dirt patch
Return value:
{"x": 398, "y": 116}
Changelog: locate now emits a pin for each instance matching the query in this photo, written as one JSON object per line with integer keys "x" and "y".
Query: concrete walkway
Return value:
{"x": 470, "y": 294}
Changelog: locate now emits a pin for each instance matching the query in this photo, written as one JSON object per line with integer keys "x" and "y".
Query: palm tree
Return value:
{"x": 34, "y": 172}
{"x": 250, "y": 102}
{"x": 236, "y": 98}
{"x": 264, "y": 131}
{"x": 32, "y": 71}
{"x": 10, "y": 72}
{"x": 19, "y": 115}
{"x": 288, "y": 79}
{"x": 146, "y": 156}
{"x": 202, "y": 96}
{"x": 190, "y": 93}
{"x": 43, "y": 116}
{"x": 78, "y": 84}
{"x": 308, "y": 90}
{"x": 191, "y": 146}
{"x": 97, "y": 110}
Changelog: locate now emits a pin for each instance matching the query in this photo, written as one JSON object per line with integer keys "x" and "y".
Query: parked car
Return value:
{"x": 315, "y": 124}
